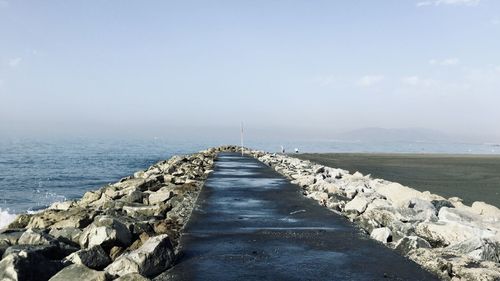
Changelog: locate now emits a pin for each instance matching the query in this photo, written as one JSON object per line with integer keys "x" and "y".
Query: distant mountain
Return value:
{"x": 395, "y": 135}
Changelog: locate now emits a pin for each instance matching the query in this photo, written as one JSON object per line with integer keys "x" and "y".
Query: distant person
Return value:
{"x": 296, "y": 150}
{"x": 282, "y": 150}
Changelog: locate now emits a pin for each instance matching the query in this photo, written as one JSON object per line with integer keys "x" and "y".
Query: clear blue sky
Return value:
{"x": 146, "y": 67}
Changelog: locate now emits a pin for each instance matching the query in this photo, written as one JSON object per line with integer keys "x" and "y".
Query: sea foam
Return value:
{"x": 6, "y": 218}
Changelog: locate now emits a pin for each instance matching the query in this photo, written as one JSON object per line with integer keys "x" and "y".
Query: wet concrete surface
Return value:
{"x": 250, "y": 223}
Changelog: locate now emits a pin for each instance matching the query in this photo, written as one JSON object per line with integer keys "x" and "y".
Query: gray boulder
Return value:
{"x": 94, "y": 258}
{"x": 74, "y": 217}
{"x": 47, "y": 251}
{"x": 438, "y": 204}
{"x": 54, "y": 248}
{"x": 415, "y": 215}
{"x": 152, "y": 258}
{"x": 10, "y": 236}
{"x": 425, "y": 208}
{"x": 54, "y": 251}
{"x": 27, "y": 266}
{"x": 68, "y": 233}
{"x": 36, "y": 237}
{"x": 136, "y": 183}
{"x": 134, "y": 196}
{"x": 107, "y": 232}
{"x": 408, "y": 243}
{"x": 479, "y": 249}
{"x": 79, "y": 272}
{"x": 137, "y": 211}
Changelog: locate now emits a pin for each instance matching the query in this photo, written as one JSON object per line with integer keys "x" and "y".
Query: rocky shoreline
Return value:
{"x": 448, "y": 238}
{"x": 130, "y": 230}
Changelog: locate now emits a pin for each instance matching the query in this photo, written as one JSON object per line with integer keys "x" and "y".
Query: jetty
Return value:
{"x": 231, "y": 213}
{"x": 250, "y": 223}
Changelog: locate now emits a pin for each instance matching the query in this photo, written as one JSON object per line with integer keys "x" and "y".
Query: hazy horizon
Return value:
{"x": 287, "y": 69}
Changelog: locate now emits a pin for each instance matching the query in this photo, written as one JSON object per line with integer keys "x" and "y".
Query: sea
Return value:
{"x": 37, "y": 173}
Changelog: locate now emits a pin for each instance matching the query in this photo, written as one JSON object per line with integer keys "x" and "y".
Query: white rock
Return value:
{"x": 304, "y": 181}
{"x": 489, "y": 212}
{"x": 398, "y": 194}
{"x": 468, "y": 217}
{"x": 332, "y": 188}
{"x": 448, "y": 233}
{"x": 63, "y": 206}
{"x": 153, "y": 257}
{"x": 382, "y": 234}
{"x": 336, "y": 173}
{"x": 319, "y": 196}
{"x": 351, "y": 191}
{"x": 378, "y": 204}
{"x": 426, "y": 195}
{"x": 358, "y": 204}
{"x": 455, "y": 215}
{"x": 357, "y": 174}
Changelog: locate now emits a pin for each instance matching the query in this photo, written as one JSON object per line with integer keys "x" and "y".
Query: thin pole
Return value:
{"x": 241, "y": 138}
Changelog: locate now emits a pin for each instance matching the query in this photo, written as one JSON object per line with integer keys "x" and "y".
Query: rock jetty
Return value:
{"x": 128, "y": 230}
{"x": 448, "y": 238}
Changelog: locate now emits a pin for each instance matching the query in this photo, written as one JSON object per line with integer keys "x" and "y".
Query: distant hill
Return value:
{"x": 395, "y": 135}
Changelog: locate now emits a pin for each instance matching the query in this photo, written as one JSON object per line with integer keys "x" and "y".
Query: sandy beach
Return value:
{"x": 470, "y": 177}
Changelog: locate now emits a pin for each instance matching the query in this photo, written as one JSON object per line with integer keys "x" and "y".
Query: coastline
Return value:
{"x": 130, "y": 228}
{"x": 121, "y": 229}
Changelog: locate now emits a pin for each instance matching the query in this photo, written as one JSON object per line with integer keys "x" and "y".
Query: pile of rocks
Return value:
{"x": 455, "y": 241}
{"x": 128, "y": 230}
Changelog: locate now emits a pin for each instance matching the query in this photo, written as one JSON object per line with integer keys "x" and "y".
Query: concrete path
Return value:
{"x": 252, "y": 224}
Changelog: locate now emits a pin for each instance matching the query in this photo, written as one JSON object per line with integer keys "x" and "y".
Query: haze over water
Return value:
{"x": 134, "y": 68}
{"x": 91, "y": 91}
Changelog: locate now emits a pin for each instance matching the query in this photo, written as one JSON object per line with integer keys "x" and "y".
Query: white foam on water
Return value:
{"x": 6, "y": 218}
{"x": 32, "y": 212}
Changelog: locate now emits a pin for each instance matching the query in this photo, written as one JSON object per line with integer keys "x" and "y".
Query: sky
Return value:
{"x": 157, "y": 68}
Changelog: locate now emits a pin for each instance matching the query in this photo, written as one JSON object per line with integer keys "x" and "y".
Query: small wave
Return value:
{"x": 36, "y": 210}
{"x": 44, "y": 198}
{"x": 6, "y": 218}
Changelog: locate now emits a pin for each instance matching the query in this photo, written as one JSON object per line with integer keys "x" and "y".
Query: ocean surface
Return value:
{"x": 35, "y": 173}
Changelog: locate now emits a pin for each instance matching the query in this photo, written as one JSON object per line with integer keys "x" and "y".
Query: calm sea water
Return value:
{"x": 34, "y": 174}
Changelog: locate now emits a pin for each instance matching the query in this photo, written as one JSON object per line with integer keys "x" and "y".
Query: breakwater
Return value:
{"x": 130, "y": 230}
{"x": 443, "y": 235}
{"x": 127, "y": 230}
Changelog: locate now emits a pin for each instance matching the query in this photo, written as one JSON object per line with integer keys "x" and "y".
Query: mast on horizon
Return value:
{"x": 241, "y": 137}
